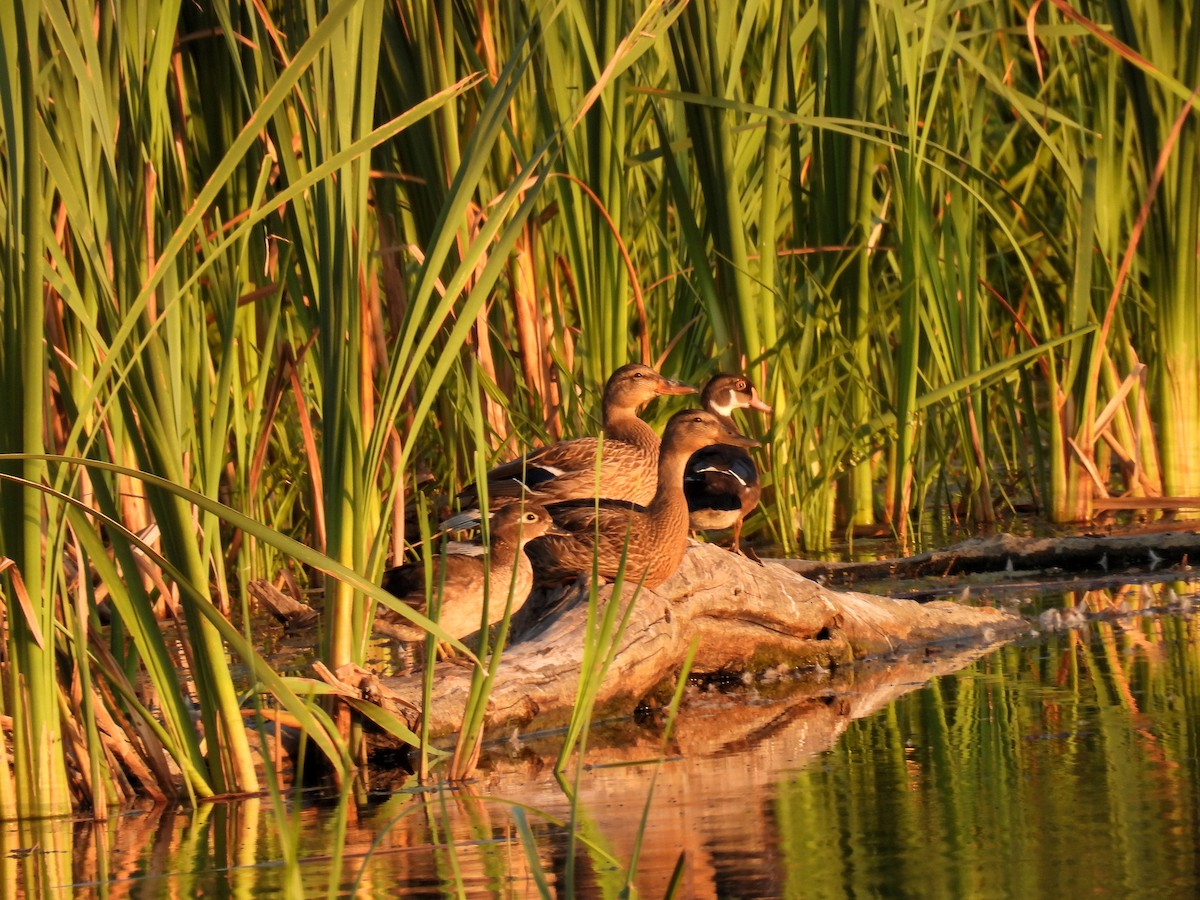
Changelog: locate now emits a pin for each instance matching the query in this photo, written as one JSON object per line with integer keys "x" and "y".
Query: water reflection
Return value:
{"x": 1067, "y": 767}
{"x": 1065, "y": 763}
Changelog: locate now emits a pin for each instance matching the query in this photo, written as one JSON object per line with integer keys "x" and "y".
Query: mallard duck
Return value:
{"x": 721, "y": 482}
{"x": 461, "y": 576}
{"x": 567, "y": 470}
{"x": 651, "y": 539}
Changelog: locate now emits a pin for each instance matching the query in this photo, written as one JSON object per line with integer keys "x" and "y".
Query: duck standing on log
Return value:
{"x": 464, "y": 581}
{"x": 567, "y": 470}
{"x": 721, "y": 482}
{"x": 650, "y": 540}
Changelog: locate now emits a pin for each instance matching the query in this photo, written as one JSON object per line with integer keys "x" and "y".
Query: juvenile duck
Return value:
{"x": 656, "y": 535}
{"x": 721, "y": 482}
{"x": 461, "y": 574}
{"x": 567, "y": 470}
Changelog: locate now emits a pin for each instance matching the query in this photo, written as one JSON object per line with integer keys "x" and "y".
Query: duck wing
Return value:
{"x": 723, "y": 464}
{"x": 456, "y": 572}
{"x": 548, "y": 462}
{"x": 568, "y": 471}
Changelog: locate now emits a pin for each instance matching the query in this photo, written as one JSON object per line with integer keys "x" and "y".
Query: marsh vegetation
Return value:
{"x": 278, "y": 276}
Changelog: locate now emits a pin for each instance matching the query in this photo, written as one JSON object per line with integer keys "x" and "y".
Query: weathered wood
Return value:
{"x": 294, "y": 615}
{"x": 746, "y": 616}
{"x": 736, "y": 750}
{"x": 1085, "y": 553}
{"x": 795, "y": 716}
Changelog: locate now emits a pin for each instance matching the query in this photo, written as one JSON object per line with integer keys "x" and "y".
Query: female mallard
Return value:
{"x": 649, "y": 540}
{"x": 567, "y": 470}
{"x": 721, "y": 482}
{"x": 465, "y": 583}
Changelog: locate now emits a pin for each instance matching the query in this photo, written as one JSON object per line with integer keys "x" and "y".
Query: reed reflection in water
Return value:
{"x": 1067, "y": 764}
{"x": 1066, "y": 767}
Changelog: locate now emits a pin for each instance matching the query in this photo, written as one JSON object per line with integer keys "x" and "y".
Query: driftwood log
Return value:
{"x": 746, "y": 617}
{"x": 727, "y": 751}
{"x": 294, "y": 615}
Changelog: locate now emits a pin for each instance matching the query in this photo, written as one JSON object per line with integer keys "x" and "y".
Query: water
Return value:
{"x": 1066, "y": 768}
{"x": 1067, "y": 763}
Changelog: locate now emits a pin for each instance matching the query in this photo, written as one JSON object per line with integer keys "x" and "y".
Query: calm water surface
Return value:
{"x": 1066, "y": 764}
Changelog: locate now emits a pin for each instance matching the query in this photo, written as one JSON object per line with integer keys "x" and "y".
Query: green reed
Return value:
{"x": 136, "y": 361}
{"x": 39, "y": 781}
{"x": 1135, "y": 99}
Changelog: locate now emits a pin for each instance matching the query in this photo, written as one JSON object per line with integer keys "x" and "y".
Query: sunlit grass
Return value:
{"x": 272, "y": 270}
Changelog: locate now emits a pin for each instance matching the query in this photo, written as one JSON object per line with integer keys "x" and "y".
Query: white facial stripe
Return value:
{"x": 726, "y": 408}
{"x": 724, "y": 471}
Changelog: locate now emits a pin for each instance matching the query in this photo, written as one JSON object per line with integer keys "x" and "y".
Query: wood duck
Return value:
{"x": 567, "y": 470}
{"x": 463, "y": 580}
{"x": 721, "y": 482}
{"x": 651, "y": 540}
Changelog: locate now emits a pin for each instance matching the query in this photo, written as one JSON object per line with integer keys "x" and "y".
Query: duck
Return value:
{"x": 721, "y": 482}
{"x": 567, "y": 470}
{"x": 466, "y": 580}
{"x": 650, "y": 540}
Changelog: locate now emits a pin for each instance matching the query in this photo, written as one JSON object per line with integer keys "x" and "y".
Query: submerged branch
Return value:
{"x": 1006, "y": 552}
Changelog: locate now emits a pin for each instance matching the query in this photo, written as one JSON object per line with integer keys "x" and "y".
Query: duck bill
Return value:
{"x": 738, "y": 440}
{"x": 757, "y": 403}
{"x": 671, "y": 386}
{"x": 741, "y": 441}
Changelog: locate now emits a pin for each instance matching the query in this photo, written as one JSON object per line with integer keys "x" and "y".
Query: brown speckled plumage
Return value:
{"x": 656, "y": 535}
{"x": 567, "y": 470}
{"x": 461, "y": 575}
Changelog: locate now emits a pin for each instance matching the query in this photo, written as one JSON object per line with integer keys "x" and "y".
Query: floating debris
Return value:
{"x": 1074, "y": 616}
{"x": 1050, "y": 620}
{"x": 1056, "y": 619}
{"x": 1149, "y": 601}
{"x": 1179, "y": 604}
